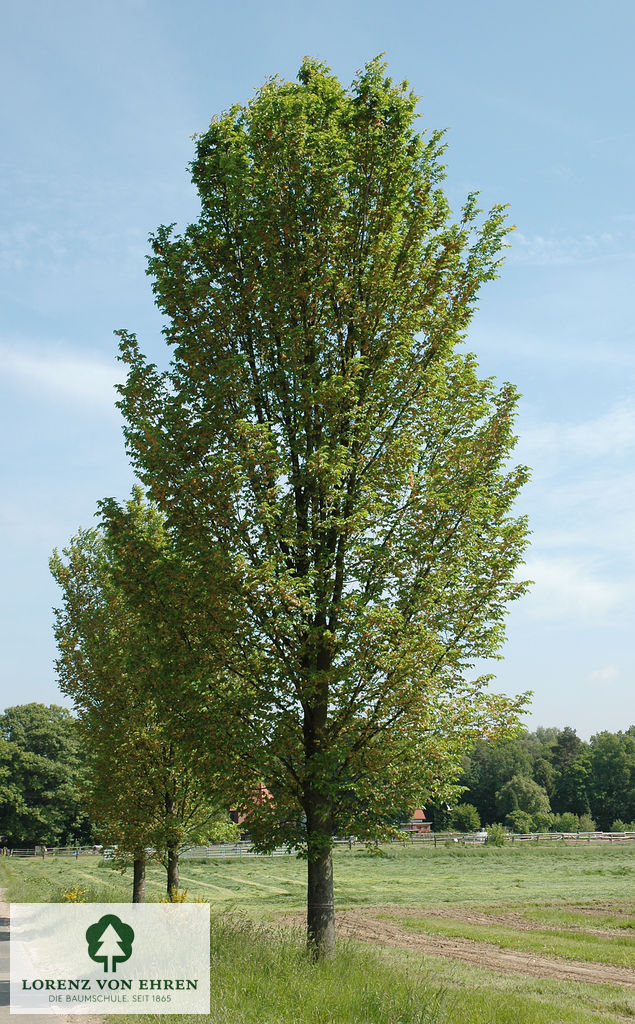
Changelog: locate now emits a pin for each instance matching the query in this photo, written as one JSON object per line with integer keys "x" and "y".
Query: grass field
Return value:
{"x": 474, "y": 934}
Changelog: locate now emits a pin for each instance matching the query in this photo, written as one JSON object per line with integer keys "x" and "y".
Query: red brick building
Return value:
{"x": 418, "y": 824}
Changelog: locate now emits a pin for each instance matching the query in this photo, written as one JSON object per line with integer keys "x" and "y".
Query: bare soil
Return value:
{"x": 376, "y": 925}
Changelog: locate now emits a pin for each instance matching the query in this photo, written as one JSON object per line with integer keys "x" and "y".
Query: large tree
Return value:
{"x": 329, "y": 457}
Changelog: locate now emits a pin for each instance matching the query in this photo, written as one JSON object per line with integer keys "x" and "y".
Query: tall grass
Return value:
{"x": 260, "y": 976}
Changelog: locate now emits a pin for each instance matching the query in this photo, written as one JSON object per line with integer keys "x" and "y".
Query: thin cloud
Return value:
{"x": 554, "y": 250}
{"x": 535, "y": 346}
{"x": 608, "y": 674}
{"x": 567, "y": 588}
{"x": 61, "y": 375}
{"x": 611, "y": 433}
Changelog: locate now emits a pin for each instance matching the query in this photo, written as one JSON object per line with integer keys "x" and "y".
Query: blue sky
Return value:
{"x": 99, "y": 103}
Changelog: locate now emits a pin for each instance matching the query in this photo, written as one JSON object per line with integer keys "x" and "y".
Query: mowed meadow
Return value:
{"x": 471, "y": 934}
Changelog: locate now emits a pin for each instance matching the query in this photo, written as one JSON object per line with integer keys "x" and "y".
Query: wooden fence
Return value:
{"x": 245, "y": 849}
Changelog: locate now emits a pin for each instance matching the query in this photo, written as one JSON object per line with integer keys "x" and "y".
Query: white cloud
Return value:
{"x": 62, "y": 375}
{"x": 608, "y": 674}
{"x": 579, "y": 503}
{"x": 555, "y": 250}
{"x": 568, "y": 588}
{"x": 609, "y": 434}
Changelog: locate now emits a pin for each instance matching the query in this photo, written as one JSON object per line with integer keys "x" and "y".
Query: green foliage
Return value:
{"x": 566, "y": 750}
{"x": 496, "y": 835}
{"x": 157, "y": 777}
{"x": 522, "y": 794}
{"x": 542, "y": 822}
{"x": 587, "y": 823}
{"x": 572, "y": 781}
{"x": 520, "y": 822}
{"x": 594, "y": 781}
{"x": 488, "y": 767}
{"x": 41, "y": 777}
{"x": 544, "y": 774}
{"x": 612, "y": 781}
{"x": 465, "y": 818}
{"x": 221, "y": 831}
{"x": 567, "y": 822}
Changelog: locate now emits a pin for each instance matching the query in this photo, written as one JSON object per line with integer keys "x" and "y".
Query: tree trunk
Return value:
{"x": 318, "y": 808}
{"x": 139, "y": 878}
{"x": 320, "y": 918}
{"x": 173, "y": 870}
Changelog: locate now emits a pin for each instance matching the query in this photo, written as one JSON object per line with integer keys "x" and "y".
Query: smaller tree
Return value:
{"x": 587, "y": 823}
{"x": 522, "y": 794}
{"x": 496, "y": 834}
{"x": 520, "y": 822}
{"x": 158, "y": 773}
{"x": 567, "y": 822}
{"x": 465, "y": 818}
{"x": 542, "y": 821}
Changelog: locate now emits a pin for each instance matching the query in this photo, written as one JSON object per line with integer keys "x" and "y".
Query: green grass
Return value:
{"x": 261, "y": 887}
{"x": 442, "y": 875}
{"x": 260, "y": 974}
{"x": 606, "y": 950}
{"x": 580, "y": 919}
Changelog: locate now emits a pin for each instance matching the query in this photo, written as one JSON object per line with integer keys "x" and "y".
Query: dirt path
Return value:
{"x": 366, "y": 925}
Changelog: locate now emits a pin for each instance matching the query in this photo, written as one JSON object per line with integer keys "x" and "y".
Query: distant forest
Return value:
{"x": 549, "y": 779}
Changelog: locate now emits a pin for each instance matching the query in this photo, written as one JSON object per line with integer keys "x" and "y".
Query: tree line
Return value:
{"x": 323, "y": 541}
{"x": 52, "y": 793}
{"x": 546, "y": 780}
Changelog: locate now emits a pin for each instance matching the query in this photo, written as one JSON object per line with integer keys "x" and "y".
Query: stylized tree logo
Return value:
{"x": 109, "y": 940}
